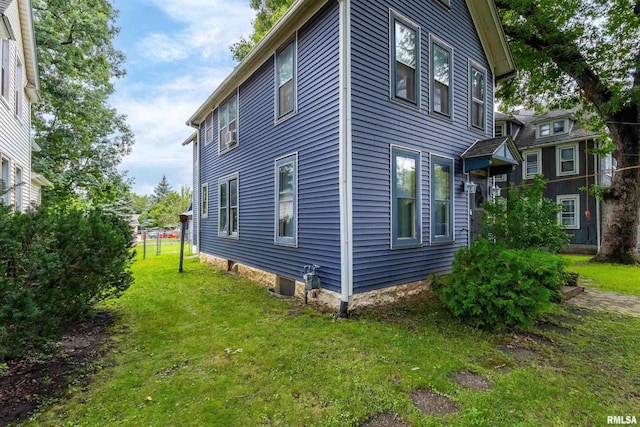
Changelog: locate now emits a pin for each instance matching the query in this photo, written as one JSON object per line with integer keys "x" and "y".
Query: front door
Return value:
{"x": 476, "y": 201}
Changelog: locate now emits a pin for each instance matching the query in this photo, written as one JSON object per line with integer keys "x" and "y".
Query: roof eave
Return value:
{"x": 30, "y": 54}
{"x": 494, "y": 41}
{"x": 299, "y": 13}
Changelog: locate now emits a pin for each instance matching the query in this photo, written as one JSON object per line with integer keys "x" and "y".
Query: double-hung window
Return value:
{"x": 405, "y": 198}
{"x": 5, "y": 184}
{"x": 555, "y": 127}
{"x": 286, "y": 81}
{"x": 228, "y": 124}
{"x": 286, "y": 196}
{"x": 19, "y": 90}
{"x": 405, "y": 60}
{"x": 569, "y": 216}
{"x": 204, "y": 201}
{"x": 441, "y": 199}
{"x": 228, "y": 206}
{"x": 532, "y": 164}
{"x": 19, "y": 185}
{"x": 477, "y": 95}
{"x": 5, "y": 50}
{"x": 441, "y": 79}
{"x": 567, "y": 160}
{"x": 208, "y": 129}
{"x": 499, "y": 129}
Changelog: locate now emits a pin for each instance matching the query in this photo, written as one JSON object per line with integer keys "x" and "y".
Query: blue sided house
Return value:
{"x": 337, "y": 142}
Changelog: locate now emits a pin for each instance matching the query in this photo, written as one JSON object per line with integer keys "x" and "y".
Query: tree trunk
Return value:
{"x": 620, "y": 236}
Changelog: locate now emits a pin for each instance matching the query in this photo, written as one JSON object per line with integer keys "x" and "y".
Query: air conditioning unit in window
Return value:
{"x": 231, "y": 138}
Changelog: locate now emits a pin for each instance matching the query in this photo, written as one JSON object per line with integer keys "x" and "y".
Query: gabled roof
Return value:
{"x": 491, "y": 152}
{"x": 192, "y": 138}
{"x": 507, "y": 118}
{"x": 483, "y": 12}
{"x": 527, "y": 136}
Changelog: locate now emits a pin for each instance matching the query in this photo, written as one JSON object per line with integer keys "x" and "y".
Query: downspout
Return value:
{"x": 345, "y": 160}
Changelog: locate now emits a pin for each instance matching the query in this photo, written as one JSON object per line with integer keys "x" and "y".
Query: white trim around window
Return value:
{"x": 229, "y": 207}
{"x": 286, "y": 80}
{"x": 404, "y": 60}
{"x": 567, "y": 162}
{"x": 569, "y": 217}
{"x": 204, "y": 201}
{"x": 228, "y": 133}
{"x": 477, "y": 97}
{"x": 286, "y": 200}
{"x": 531, "y": 167}
{"x": 551, "y": 128}
{"x": 5, "y": 69}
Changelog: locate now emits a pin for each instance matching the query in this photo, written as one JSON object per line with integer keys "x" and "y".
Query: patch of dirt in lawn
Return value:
{"x": 386, "y": 419}
{"x": 518, "y": 353}
{"x": 471, "y": 381}
{"x": 547, "y": 326}
{"x": 40, "y": 377}
{"x": 432, "y": 403}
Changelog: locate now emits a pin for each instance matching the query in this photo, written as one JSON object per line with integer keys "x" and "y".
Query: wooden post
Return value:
{"x": 183, "y": 220}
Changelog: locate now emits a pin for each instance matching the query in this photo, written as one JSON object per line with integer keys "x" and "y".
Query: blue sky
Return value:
{"x": 177, "y": 54}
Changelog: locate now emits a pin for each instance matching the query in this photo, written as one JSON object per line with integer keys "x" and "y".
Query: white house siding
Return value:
{"x": 15, "y": 143}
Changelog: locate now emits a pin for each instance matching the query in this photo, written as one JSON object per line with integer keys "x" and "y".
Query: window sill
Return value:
{"x": 286, "y": 245}
{"x": 226, "y": 150}
{"x": 286, "y": 117}
{"x": 440, "y": 116}
{"x": 405, "y": 246}
{"x": 442, "y": 242}
{"x": 234, "y": 237}
{"x": 566, "y": 173}
{"x": 406, "y": 104}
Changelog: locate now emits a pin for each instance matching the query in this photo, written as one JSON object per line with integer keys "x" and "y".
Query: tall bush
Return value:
{"x": 526, "y": 219}
{"x": 491, "y": 286}
{"x": 55, "y": 265}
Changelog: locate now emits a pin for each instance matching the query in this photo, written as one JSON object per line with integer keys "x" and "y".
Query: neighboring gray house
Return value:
{"x": 337, "y": 142}
{"x": 553, "y": 145}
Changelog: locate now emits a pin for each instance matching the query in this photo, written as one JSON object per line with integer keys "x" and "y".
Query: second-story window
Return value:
{"x": 228, "y": 124}
{"x": 532, "y": 163}
{"x": 208, "y": 129}
{"x": 441, "y": 79}
{"x": 477, "y": 98}
{"x": 286, "y": 80}
{"x": 405, "y": 61}
{"x": 4, "y": 68}
{"x": 19, "y": 89}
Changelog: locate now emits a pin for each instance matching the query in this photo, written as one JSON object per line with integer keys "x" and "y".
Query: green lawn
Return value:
{"x": 623, "y": 279}
{"x": 204, "y": 348}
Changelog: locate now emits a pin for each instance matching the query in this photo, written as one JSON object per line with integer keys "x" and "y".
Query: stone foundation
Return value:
{"x": 324, "y": 297}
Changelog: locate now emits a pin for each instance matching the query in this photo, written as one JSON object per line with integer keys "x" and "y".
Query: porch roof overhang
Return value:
{"x": 494, "y": 152}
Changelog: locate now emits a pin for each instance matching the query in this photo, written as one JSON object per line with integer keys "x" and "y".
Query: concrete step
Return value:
{"x": 572, "y": 291}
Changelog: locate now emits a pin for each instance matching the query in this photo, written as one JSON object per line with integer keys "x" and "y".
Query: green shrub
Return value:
{"x": 493, "y": 286}
{"x": 526, "y": 219}
{"x": 54, "y": 267}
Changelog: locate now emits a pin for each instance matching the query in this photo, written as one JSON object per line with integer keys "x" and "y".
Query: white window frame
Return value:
{"x": 608, "y": 164}
{"x": 226, "y": 233}
{"x": 395, "y": 17}
{"x": 208, "y": 129}
{"x": 526, "y": 175}
{"x": 294, "y": 77}
{"x": 5, "y": 70}
{"x": 19, "y": 194}
{"x": 225, "y": 129}
{"x": 286, "y": 240}
{"x": 552, "y": 132}
{"x": 501, "y": 177}
{"x": 576, "y": 199}
{"x": 19, "y": 90}
{"x": 5, "y": 178}
{"x": 204, "y": 200}
{"x": 576, "y": 162}
{"x": 433, "y": 40}
{"x": 473, "y": 66}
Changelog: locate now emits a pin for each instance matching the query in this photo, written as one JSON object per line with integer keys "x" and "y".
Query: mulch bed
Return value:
{"x": 39, "y": 377}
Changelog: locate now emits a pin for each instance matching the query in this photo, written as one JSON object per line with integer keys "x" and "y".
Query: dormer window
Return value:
{"x": 555, "y": 127}
{"x": 499, "y": 129}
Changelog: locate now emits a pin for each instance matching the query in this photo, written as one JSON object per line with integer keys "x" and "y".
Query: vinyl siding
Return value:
{"x": 313, "y": 134}
{"x": 379, "y": 123}
{"x": 15, "y": 141}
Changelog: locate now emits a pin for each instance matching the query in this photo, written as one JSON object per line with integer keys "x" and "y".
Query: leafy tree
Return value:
{"x": 82, "y": 138}
{"x": 166, "y": 211}
{"x": 162, "y": 190}
{"x": 267, "y": 14}
{"x": 568, "y": 51}
{"x": 141, "y": 203}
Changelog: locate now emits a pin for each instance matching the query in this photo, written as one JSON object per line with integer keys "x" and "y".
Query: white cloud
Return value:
{"x": 160, "y": 47}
